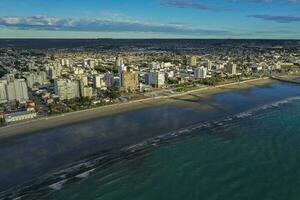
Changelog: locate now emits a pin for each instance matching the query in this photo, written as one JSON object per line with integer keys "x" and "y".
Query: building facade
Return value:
{"x": 231, "y": 68}
{"x": 193, "y": 61}
{"x": 156, "y": 79}
{"x": 66, "y": 89}
{"x": 99, "y": 81}
{"x": 3, "y": 92}
{"x": 19, "y": 116}
{"x": 15, "y": 90}
{"x": 200, "y": 73}
{"x": 129, "y": 81}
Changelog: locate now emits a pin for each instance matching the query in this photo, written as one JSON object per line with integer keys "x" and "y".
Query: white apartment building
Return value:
{"x": 15, "y": 90}
{"x": 99, "y": 81}
{"x": 66, "y": 89}
{"x": 156, "y": 79}
{"x": 200, "y": 73}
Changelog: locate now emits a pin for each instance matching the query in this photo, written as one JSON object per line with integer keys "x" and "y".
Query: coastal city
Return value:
{"x": 38, "y": 83}
{"x": 149, "y": 100}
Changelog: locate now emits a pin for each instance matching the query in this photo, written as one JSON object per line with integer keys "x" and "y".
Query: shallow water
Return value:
{"x": 257, "y": 158}
{"x": 240, "y": 153}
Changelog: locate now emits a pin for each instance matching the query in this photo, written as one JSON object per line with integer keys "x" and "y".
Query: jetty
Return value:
{"x": 287, "y": 80}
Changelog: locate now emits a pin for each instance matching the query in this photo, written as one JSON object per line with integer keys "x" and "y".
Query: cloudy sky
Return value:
{"x": 150, "y": 19}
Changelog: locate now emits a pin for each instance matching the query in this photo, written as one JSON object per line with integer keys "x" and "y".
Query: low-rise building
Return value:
{"x": 19, "y": 116}
{"x": 87, "y": 92}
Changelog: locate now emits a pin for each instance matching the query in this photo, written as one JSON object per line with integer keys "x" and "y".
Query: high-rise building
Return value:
{"x": 231, "y": 68}
{"x": 200, "y": 73}
{"x": 209, "y": 64}
{"x": 10, "y": 77}
{"x": 55, "y": 71}
{"x": 39, "y": 78}
{"x": 17, "y": 90}
{"x": 21, "y": 90}
{"x": 11, "y": 94}
{"x": 121, "y": 69}
{"x": 29, "y": 79}
{"x": 109, "y": 79}
{"x": 193, "y": 61}
{"x": 84, "y": 80}
{"x": 89, "y": 63}
{"x": 99, "y": 81}
{"x": 129, "y": 80}
{"x": 119, "y": 62}
{"x": 3, "y": 92}
{"x": 66, "y": 89}
{"x": 156, "y": 79}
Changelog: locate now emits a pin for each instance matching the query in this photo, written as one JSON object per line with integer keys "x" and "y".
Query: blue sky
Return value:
{"x": 150, "y": 19}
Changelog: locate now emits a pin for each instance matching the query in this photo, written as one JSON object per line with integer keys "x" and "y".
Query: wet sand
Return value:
{"x": 28, "y": 127}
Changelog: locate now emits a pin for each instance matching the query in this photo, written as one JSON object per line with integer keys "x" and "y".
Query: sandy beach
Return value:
{"x": 39, "y": 124}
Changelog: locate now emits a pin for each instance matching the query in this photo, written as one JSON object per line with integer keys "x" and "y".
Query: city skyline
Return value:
{"x": 265, "y": 19}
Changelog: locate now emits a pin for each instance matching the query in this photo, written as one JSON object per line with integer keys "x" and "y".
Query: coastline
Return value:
{"x": 41, "y": 124}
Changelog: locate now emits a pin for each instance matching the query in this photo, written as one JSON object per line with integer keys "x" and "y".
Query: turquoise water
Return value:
{"x": 257, "y": 157}
{"x": 245, "y": 146}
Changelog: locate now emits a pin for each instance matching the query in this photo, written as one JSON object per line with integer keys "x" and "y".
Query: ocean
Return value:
{"x": 236, "y": 145}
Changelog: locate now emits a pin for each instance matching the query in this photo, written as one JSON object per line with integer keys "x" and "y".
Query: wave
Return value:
{"x": 80, "y": 170}
{"x": 58, "y": 185}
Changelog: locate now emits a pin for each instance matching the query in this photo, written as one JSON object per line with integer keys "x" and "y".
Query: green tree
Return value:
{"x": 113, "y": 93}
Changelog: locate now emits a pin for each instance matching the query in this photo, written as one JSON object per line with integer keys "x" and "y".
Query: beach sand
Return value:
{"x": 180, "y": 100}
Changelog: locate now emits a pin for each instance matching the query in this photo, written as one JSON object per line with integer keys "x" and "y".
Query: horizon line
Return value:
{"x": 104, "y": 38}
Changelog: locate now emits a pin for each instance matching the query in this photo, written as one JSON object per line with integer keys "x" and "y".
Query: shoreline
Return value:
{"x": 40, "y": 124}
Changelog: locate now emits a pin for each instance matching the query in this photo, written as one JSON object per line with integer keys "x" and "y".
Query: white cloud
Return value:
{"x": 112, "y": 23}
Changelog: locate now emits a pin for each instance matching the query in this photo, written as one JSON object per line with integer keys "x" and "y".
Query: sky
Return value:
{"x": 262, "y": 19}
